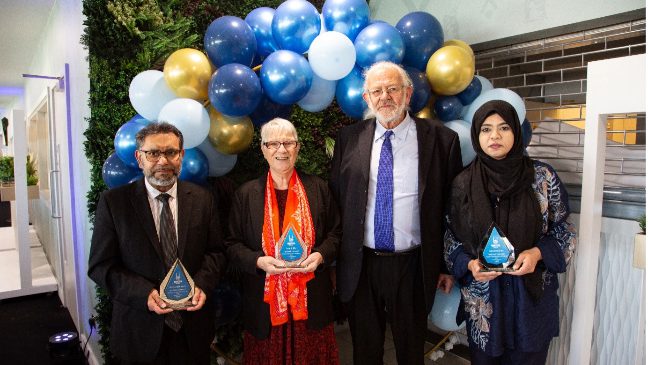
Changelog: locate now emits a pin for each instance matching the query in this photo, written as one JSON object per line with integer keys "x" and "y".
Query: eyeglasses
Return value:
{"x": 391, "y": 91}
{"x": 274, "y": 145}
{"x": 154, "y": 155}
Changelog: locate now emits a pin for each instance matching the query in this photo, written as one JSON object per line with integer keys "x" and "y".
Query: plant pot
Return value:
{"x": 8, "y": 192}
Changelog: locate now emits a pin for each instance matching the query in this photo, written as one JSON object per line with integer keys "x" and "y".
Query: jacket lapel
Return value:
{"x": 142, "y": 208}
{"x": 365, "y": 142}
{"x": 426, "y": 141}
{"x": 185, "y": 203}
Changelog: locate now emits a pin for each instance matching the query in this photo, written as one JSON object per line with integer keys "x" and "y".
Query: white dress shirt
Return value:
{"x": 156, "y": 205}
{"x": 407, "y": 230}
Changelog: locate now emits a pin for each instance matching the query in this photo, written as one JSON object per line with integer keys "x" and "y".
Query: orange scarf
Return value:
{"x": 287, "y": 289}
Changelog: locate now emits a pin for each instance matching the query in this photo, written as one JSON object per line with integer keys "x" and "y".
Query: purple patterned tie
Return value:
{"x": 384, "y": 209}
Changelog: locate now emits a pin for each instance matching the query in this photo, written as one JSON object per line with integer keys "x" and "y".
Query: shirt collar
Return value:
{"x": 153, "y": 192}
{"x": 400, "y": 132}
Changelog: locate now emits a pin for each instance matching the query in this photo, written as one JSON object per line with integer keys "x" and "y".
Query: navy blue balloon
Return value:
{"x": 235, "y": 90}
{"x": 348, "y": 17}
{"x": 422, "y": 89}
{"x": 195, "y": 166}
{"x": 378, "y": 42}
{"x": 448, "y": 108}
{"x": 116, "y": 173}
{"x": 527, "y": 133}
{"x": 295, "y": 24}
{"x": 286, "y": 77}
{"x": 267, "y": 110}
{"x": 260, "y": 20}
{"x": 125, "y": 144}
{"x": 229, "y": 39}
{"x": 422, "y": 35}
{"x": 348, "y": 93}
{"x": 471, "y": 92}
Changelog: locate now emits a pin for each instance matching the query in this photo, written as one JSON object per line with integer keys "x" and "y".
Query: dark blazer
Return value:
{"x": 244, "y": 248}
{"x": 126, "y": 259}
{"x": 439, "y": 161}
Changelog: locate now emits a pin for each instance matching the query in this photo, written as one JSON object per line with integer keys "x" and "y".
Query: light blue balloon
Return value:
{"x": 190, "y": 117}
{"x": 444, "y": 310}
{"x": 497, "y": 94}
{"x": 379, "y": 42}
{"x": 295, "y": 24}
{"x": 260, "y": 20}
{"x": 463, "y": 130}
{"x": 219, "y": 163}
{"x": 125, "y": 144}
{"x": 116, "y": 173}
{"x": 348, "y": 94}
{"x": 485, "y": 84}
{"x": 286, "y": 77}
{"x": 194, "y": 166}
{"x": 319, "y": 96}
{"x": 348, "y": 17}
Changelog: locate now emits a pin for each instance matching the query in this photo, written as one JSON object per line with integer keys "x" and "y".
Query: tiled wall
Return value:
{"x": 551, "y": 76}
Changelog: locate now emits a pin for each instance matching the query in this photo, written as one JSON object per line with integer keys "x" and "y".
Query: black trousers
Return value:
{"x": 509, "y": 357}
{"x": 174, "y": 350}
{"x": 390, "y": 289}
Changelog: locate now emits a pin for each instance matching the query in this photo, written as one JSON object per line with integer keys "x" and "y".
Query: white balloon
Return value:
{"x": 189, "y": 117}
{"x": 463, "y": 130}
{"x": 219, "y": 163}
{"x": 319, "y": 96}
{"x": 497, "y": 94}
{"x": 332, "y": 55}
{"x": 148, "y": 93}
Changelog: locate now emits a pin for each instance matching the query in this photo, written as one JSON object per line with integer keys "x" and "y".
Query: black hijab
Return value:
{"x": 498, "y": 190}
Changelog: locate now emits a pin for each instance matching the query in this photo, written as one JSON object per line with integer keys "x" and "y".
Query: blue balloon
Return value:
{"x": 378, "y": 42}
{"x": 268, "y": 110}
{"x": 422, "y": 35}
{"x": 319, "y": 96}
{"x": 116, "y": 173}
{"x": 286, "y": 77}
{"x": 229, "y": 39}
{"x": 463, "y": 130}
{"x": 448, "y": 108}
{"x": 527, "y": 133}
{"x": 485, "y": 84}
{"x": 195, "y": 166}
{"x": 295, "y": 24}
{"x": 260, "y": 20}
{"x": 444, "y": 310}
{"x": 348, "y": 17}
{"x": 235, "y": 90}
{"x": 422, "y": 89}
{"x": 125, "y": 144}
{"x": 471, "y": 92}
{"x": 348, "y": 93}
{"x": 506, "y": 95}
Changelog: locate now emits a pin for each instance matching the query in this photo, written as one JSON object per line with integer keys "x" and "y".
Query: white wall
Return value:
{"x": 60, "y": 44}
{"x": 476, "y": 21}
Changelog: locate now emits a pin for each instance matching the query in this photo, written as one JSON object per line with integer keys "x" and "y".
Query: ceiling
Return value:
{"x": 21, "y": 24}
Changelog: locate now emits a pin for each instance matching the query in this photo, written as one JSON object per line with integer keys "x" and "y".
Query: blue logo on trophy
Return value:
{"x": 290, "y": 248}
{"x": 496, "y": 253}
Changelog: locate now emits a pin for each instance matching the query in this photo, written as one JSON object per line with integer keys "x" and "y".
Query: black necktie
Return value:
{"x": 170, "y": 249}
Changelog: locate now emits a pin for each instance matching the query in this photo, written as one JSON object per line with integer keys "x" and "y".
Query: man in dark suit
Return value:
{"x": 133, "y": 243}
{"x": 391, "y": 174}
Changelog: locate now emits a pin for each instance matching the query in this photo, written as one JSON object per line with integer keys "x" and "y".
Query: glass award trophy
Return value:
{"x": 496, "y": 253}
{"x": 177, "y": 288}
{"x": 291, "y": 249}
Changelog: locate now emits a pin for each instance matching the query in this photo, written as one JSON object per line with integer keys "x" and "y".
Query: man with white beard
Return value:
{"x": 391, "y": 175}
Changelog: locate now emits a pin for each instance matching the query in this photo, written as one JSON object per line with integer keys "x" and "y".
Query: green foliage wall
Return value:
{"x": 126, "y": 37}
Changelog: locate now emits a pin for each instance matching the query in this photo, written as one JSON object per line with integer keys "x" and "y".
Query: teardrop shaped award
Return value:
{"x": 177, "y": 288}
{"x": 496, "y": 253}
{"x": 291, "y": 249}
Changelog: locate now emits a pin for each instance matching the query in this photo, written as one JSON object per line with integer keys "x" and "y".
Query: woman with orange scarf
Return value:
{"x": 284, "y": 232}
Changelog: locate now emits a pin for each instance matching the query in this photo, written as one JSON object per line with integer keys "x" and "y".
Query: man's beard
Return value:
{"x": 164, "y": 181}
{"x": 386, "y": 119}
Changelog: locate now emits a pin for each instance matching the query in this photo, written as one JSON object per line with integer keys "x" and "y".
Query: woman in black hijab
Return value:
{"x": 511, "y": 316}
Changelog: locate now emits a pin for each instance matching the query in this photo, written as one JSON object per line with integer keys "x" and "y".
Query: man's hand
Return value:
{"x": 310, "y": 263}
{"x": 445, "y": 283}
{"x": 198, "y": 300}
{"x": 475, "y": 267}
{"x": 271, "y": 265}
{"x": 156, "y": 304}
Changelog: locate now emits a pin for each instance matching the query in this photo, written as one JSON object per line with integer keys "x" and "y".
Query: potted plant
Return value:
{"x": 639, "y": 260}
{"x": 7, "y": 189}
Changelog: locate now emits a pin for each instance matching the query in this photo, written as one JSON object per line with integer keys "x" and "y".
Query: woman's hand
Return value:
{"x": 526, "y": 262}
{"x": 310, "y": 263}
{"x": 475, "y": 267}
{"x": 271, "y": 265}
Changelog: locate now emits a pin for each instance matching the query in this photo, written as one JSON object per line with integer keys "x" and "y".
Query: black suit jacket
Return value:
{"x": 126, "y": 259}
{"x": 244, "y": 248}
{"x": 439, "y": 161}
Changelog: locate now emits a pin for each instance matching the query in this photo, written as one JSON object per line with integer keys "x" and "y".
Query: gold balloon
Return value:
{"x": 187, "y": 72}
{"x": 229, "y": 135}
{"x": 428, "y": 110}
{"x": 460, "y": 44}
{"x": 450, "y": 70}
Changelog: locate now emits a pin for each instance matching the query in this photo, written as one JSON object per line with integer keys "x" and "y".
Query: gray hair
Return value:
{"x": 278, "y": 126}
{"x": 157, "y": 128}
{"x": 383, "y": 66}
